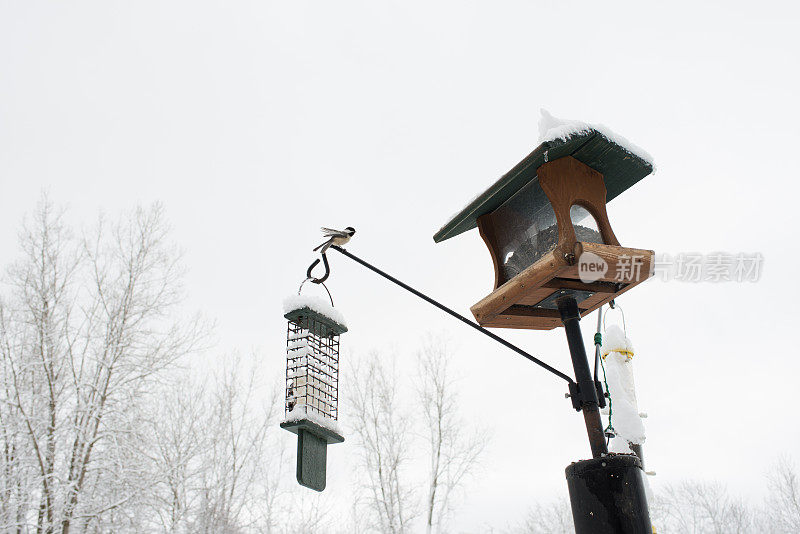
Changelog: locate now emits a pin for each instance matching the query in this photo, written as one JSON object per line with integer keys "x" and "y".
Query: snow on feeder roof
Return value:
{"x": 312, "y": 383}
{"x": 621, "y": 163}
{"x": 329, "y": 318}
{"x": 547, "y": 230}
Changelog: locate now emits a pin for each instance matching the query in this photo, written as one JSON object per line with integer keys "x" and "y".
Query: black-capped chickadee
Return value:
{"x": 336, "y": 237}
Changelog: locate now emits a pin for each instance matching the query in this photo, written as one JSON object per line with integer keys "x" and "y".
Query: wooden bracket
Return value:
{"x": 514, "y": 304}
{"x": 568, "y": 182}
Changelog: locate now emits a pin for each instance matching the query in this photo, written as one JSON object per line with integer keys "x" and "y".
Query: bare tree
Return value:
{"x": 382, "y": 430}
{"x": 84, "y": 330}
{"x": 453, "y": 450}
{"x": 233, "y": 470}
{"x": 301, "y": 512}
{"x": 783, "y": 501}
{"x": 176, "y": 437}
{"x": 554, "y": 517}
{"x": 700, "y": 507}
{"x": 18, "y": 471}
{"x": 35, "y": 333}
{"x": 215, "y": 448}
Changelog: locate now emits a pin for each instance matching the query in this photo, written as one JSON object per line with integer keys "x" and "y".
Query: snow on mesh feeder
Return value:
{"x": 312, "y": 383}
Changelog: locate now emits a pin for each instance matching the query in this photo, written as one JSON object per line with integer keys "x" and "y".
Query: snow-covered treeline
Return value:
{"x": 103, "y": 426}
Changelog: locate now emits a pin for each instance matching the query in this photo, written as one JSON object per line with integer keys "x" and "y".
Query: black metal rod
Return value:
{"x": 457, "y": 315}
{"x": 570, "y": 316}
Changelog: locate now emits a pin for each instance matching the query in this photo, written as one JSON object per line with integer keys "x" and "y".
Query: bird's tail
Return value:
{"x": 324, "y": 246}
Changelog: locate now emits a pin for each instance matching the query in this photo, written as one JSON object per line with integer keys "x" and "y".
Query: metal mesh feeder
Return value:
{"x": 312, "y": 384}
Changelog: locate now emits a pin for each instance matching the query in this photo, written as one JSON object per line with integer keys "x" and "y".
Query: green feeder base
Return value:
{"x": 312, "y": 451}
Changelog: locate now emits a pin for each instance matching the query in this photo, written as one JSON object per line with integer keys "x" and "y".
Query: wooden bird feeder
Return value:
{"x": 548, "y": 233}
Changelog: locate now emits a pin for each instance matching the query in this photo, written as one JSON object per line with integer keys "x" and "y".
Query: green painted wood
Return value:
{"x": 305, "y": 424}
{"x": 620, "y": 168}
{"x": 312, "y": 451}
{"x": 312, "y": 458}
{"x": 325, "y": 325}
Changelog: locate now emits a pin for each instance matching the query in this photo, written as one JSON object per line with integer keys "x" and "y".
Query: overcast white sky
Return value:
{"x": 257, "y": 122}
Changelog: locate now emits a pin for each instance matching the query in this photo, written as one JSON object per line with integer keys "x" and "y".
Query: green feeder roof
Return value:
{"x": 620, "y": 167}
{"x": 325, "y": 325}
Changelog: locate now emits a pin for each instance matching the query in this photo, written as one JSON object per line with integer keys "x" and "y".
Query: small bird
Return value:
{"x": 335, "y": 237}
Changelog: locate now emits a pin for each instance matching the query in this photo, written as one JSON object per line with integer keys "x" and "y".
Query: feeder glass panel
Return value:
{"x": 312, "y": 368}
{"x": 526, "y": 230}
{"x": 585, "y": 225}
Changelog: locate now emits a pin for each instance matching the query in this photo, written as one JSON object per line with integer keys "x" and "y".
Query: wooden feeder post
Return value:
{"x": 556, "y": 259}
{"x": 312, "y": 386}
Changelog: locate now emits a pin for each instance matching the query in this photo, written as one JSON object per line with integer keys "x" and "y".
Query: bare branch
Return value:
{"x": 382, "y": 431}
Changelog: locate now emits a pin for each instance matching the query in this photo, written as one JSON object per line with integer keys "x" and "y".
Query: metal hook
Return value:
{"x": 328, "y": 291}
{"x": 311, "y": 268}
{"x": 320, "y": 281}
{"x": 614, "y": 306}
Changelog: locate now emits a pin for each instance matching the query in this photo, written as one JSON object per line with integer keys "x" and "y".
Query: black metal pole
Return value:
{"x": 608, "y": 496}
{"x": 457, "y": 315}
{"x": 570, "y": 316}
{"x": 638, "y": 451}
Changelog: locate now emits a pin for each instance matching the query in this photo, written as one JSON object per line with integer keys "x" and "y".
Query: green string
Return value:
{"x": 610, "y": 411}
{"x": 598, "y": 340}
